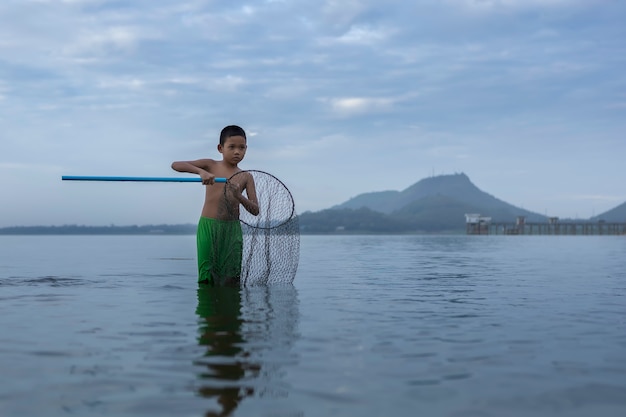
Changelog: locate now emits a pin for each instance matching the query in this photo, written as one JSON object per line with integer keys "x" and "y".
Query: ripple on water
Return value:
{"x": 49, "y": 280}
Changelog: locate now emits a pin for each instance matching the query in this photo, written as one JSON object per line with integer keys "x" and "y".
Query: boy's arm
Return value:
{"x": 201, "y": 167}
{"x": 251, "y": 204}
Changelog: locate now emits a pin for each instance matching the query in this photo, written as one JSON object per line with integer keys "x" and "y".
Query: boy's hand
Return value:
{"x": 207, "y": 178}
{"x": 234, "y": 189}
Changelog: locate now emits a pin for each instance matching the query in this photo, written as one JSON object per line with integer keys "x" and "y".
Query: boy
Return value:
{"x": 219, "y": 238}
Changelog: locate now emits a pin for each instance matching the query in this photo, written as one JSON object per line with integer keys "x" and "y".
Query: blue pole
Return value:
{"x": 134, "y": 179}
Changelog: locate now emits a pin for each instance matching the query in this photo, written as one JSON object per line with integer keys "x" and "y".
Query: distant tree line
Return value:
{"x": 175, "y": 229}
{"x": 330, "y": 221}
{"x": 348, "y": 220}
{"x": 364, "y": 220}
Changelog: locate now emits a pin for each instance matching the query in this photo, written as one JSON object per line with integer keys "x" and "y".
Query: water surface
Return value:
{"x": 372, "y": 326}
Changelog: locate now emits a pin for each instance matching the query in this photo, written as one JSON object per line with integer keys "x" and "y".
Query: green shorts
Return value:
{"x": 220, "y": 245}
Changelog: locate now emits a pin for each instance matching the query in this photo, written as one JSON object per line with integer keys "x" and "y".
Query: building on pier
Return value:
{"x": 477, "y": 224}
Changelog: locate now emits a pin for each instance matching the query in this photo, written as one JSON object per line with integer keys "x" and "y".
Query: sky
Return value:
{"x": 338, "y": 97}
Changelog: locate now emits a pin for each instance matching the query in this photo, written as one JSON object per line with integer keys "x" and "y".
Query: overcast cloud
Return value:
{"x": 339, "y": 97}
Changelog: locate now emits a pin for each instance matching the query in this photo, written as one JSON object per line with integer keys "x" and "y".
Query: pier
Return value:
{"x": 480, "y": 225}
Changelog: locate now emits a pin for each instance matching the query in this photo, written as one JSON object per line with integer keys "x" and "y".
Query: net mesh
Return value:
{"x": 271, "y": 238}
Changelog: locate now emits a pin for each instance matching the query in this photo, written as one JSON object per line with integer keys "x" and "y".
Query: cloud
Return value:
{"x": 121, "y": 83}
{"x": 363, "y": 35}
{"x": 227, "y": 83}
{"x": 107, "y": 42}
{"x": 491, "y": 5}
{"x": 67, "y": 1}
{"x": 343, "y": 12}
{"x": 359, "y": 105}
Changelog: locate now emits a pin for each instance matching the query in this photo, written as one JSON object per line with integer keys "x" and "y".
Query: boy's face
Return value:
{"x": 233, "y": 150}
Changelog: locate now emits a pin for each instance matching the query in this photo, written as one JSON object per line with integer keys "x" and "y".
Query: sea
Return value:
{"x": 420, "y": 325}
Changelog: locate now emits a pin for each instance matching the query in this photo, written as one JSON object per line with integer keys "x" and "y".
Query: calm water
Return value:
{"x": 372, "y": 326}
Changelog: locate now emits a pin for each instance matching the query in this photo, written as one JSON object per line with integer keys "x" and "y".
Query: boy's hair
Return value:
{"x": 231, "y": 130}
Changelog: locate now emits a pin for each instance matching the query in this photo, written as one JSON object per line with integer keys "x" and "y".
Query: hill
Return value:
{"x": 617, "y": 214}
{"x": 457, "y": 187}
{"x": 433, "y": 204}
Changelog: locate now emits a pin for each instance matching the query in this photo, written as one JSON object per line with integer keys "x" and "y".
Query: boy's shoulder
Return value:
{"x": 207, "y": 162}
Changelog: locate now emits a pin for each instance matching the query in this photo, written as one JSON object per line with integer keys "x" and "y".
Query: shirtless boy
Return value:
{"x": 219, "y": 237}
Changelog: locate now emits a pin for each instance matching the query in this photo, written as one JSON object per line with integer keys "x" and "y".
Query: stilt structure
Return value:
{"x": 481, "y": 225}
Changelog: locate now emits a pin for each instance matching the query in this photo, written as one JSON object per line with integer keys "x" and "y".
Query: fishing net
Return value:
{"x": 271, "y": 237}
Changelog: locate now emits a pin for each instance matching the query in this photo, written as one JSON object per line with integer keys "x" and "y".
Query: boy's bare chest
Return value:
{"x": 221, "y": 171}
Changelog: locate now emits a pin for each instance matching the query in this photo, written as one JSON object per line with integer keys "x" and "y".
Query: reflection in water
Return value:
{"x": 248, "y": 333}
{"x": 225, "y": 359}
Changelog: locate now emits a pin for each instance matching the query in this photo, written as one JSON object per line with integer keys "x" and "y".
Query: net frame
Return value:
{"x": 271, "y": 239}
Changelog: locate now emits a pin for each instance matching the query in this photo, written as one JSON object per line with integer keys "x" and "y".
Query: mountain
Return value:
{"x": 434, "y": 213}
{"x": 435, "y": 204}
{"x": 455, "y": 190}
{"x": 617, "y": 214}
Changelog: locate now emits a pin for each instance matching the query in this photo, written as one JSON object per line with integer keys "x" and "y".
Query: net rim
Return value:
{"x": 293, "y": 205}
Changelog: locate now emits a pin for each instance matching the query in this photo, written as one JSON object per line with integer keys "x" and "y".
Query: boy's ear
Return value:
{"x": 219, "y": 148}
